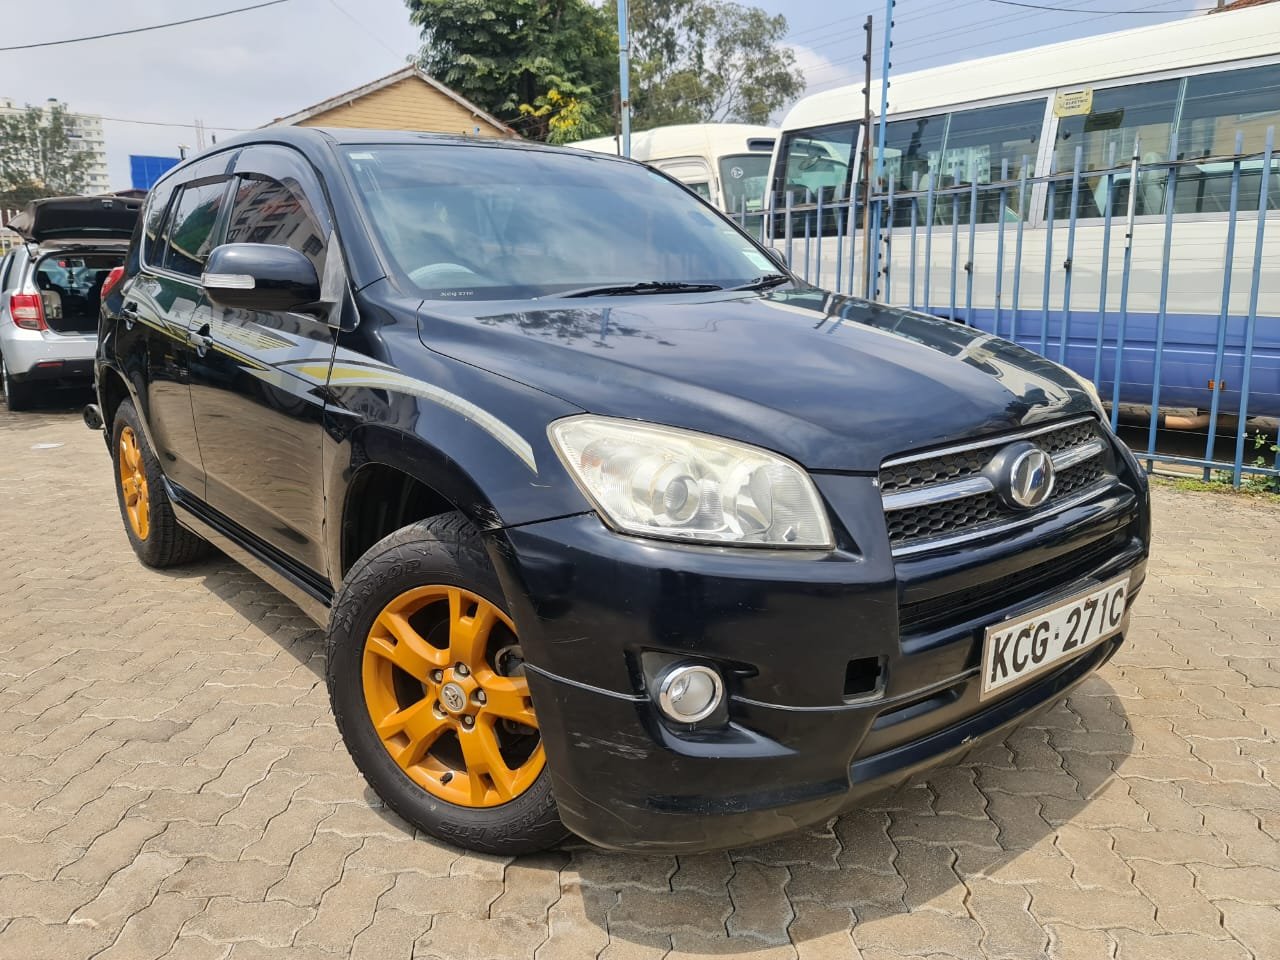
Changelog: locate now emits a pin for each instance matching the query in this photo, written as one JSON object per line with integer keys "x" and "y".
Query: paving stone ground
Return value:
{"x": 172, "y": 785}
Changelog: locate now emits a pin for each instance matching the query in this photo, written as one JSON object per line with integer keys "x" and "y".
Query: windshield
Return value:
{"x": 481, "y": 223}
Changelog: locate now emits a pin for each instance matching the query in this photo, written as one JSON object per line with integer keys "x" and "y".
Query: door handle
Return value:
{"x": 201, "y": 340}
{"x": 130, "y": 314}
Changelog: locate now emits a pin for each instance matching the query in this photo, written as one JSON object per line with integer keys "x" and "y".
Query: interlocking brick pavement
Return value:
{"x": 172, "y": 785}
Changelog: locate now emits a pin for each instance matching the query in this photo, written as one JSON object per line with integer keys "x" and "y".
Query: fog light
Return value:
{"x": 690, "y": 693}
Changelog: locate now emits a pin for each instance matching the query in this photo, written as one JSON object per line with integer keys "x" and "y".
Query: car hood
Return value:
{"x": 833, "y": 382}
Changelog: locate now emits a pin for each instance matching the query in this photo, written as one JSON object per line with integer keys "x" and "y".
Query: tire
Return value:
{"x": 154, "y": 532}
{"x": 19, "y": 396}
{"x": 434, "y": 583}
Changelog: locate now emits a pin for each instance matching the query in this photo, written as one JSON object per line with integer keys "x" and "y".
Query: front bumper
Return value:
{"x": 808, "y": 728}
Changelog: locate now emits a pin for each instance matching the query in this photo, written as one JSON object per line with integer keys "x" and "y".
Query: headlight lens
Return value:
{"x": 678, "y": 485}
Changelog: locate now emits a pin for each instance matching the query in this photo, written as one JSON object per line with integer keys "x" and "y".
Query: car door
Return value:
{"x": 257, "y": 378}
{"x": 159, "y": 305}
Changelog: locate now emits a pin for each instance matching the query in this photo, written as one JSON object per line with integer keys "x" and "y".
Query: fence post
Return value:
{"x": 915, "y": 216}
{"x": 928, "y": 242}
{"x": 1004, "y": 202}
{"x": 973, "y": 221}
{"x": 1048, "y": 257}
{"x": 1064, "y": 333}
{"x": 1162, "y": 309}
{"x": 1224, "y": 312}
{"x": 1252, "y": 321}
{"x": 1124, "y": 284}
{"x": 1106, "y": 265}
{"x": 1017, "y": 250}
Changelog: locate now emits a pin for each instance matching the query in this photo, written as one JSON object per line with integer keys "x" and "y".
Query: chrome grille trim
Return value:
{"x": 974, "y": 486}
{"x": 989, "y": 442}
{"x": 953, "y": 490}
{"x": 978, "y": 533}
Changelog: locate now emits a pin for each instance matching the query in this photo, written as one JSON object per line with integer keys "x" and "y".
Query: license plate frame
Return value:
{"x": 1004, "y": 641}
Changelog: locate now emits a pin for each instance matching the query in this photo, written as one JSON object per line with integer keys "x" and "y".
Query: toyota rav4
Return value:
{"x": 614, "y": 525}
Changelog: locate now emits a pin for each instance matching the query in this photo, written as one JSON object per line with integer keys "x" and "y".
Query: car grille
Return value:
{"x": 931, "y": 499}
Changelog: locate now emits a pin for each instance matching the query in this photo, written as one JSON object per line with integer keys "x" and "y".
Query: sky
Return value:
{"x": 245, "y": 70}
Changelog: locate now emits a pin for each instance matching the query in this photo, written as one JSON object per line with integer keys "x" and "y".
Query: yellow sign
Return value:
{"x": 1073, "y": 103}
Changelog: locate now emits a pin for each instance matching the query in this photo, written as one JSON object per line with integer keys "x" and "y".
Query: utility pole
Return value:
{"x": 868, "y": 279}
{"x": 881, "y": 130}
{"x": 624, "y": 77}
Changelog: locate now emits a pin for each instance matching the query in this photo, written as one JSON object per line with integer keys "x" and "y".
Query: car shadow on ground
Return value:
{"x": 945, "y": 854}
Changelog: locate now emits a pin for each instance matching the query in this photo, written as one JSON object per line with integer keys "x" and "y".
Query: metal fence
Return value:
{"x": 1157, "y": 280}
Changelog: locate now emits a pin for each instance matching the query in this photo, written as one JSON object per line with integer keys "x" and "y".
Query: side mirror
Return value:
{"x": 777, "y": 257}
{"x": 260, "y": 276}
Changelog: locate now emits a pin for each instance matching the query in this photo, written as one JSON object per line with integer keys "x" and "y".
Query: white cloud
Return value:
{"x": 820, "y": 73}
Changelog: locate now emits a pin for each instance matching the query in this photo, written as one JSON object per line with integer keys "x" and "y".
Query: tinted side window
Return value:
{"x": 153, "y": 220}
{"x": 4, "y": 271}
{"x": 191, "y": 233}
{"x": 268, "y": 211}
{"x": 1215, "y": 108}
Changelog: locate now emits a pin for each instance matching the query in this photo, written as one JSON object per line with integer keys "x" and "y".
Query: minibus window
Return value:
{"x": 1217, "y": 106}
{"x": 743, "y": 177}
{"x": 1119, "y": 115}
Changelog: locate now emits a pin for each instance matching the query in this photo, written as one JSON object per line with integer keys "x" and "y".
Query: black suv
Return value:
{"x": 614, "y": 525}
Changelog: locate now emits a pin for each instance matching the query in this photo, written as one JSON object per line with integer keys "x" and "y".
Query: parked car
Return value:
{"x": 50, "y": 289}
{"x": 612, "y": 523}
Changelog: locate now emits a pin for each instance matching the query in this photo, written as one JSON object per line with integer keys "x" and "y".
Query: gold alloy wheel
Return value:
{"x": 133, "y": 482}
{"x": 443, "y": 686}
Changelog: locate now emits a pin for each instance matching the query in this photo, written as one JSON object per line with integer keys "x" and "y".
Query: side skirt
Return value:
{"x": 303, "y": 587}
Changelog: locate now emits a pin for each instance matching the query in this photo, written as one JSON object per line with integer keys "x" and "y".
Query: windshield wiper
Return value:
{"x": 642, "y": 286}
{"x": 764, "y": 283}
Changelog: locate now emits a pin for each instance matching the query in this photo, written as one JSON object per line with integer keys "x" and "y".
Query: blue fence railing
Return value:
{"x": 1159, "y": 281}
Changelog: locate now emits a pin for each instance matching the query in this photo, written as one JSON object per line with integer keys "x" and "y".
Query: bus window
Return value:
{"x": 1142, "y": 111}
{"x": 743, "y": 178}
{"x": 1215, "y": 108}
{"x": 814, "y": 163}
{"x": 977, "y": 145}
{"x": 913, "y": 149}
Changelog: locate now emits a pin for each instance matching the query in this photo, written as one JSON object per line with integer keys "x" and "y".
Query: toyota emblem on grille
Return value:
{"x": 1024, "y": 475}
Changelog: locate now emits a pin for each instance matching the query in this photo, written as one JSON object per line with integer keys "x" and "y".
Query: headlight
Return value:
{"x": 678, "y": 485}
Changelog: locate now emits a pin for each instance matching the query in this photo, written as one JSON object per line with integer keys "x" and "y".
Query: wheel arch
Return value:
{"x": 391, "y": 480}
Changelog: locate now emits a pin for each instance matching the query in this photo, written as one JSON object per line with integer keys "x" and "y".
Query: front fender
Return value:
{"x": 478, "y": 440}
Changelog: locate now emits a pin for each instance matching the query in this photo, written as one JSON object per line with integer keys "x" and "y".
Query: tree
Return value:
{"x": 38, "y": 157}
{"x": 546, "y": 67}
{"x": 704, "y": 61}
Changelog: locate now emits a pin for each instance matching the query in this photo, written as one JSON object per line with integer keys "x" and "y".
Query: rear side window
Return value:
{"x": 153, "y": 225}
{"x": 5, "y": 269}
{"x": 268, "y": 211}
{"x": 191, "y": 230}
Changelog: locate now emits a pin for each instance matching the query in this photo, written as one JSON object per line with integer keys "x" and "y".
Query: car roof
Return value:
{"x": 317, "y": 143}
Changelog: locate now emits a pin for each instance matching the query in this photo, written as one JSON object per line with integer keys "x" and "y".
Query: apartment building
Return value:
{"x": 86, "y": 134}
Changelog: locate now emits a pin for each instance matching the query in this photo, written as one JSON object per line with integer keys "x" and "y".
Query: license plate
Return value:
{"x": 1015, "y": 651}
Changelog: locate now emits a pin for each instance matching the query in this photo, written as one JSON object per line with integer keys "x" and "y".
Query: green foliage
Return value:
{"x": 38, "y": 158}
{"x": 701, "y": 61}
{"x": 546, "y": 67}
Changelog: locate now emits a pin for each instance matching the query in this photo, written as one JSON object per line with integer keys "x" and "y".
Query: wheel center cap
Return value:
{"x": 453, "y": 697}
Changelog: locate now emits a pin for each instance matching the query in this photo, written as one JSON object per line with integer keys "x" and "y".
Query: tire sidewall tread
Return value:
{"x": 446, "y": 549}
{"x": 168, "y": 543}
